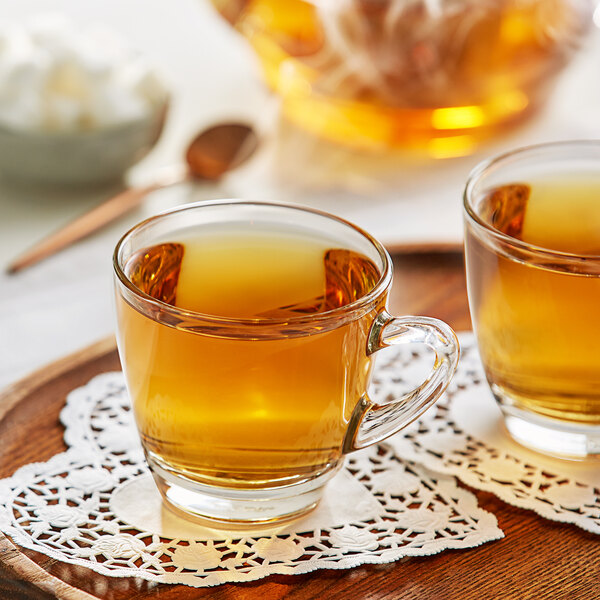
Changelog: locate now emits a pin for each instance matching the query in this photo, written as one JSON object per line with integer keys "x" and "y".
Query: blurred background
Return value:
{"x": 375, "y": 111}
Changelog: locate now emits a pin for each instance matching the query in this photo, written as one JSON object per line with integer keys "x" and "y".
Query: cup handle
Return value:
{"x": 371, "y": 422}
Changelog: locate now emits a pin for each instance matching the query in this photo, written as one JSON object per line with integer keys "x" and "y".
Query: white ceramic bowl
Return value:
{"x": 96, "y": 156}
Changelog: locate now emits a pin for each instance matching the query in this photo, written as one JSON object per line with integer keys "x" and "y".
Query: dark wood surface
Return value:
{"x": 537, "y": 559}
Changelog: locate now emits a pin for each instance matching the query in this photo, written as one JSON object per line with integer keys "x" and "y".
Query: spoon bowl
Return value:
{"x": 219, "y": 149}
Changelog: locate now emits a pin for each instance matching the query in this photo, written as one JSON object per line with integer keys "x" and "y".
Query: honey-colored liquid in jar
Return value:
{"x": 228, "y": 406}
{"x": 432, "y": 76}
{"x": 537, "y": 318}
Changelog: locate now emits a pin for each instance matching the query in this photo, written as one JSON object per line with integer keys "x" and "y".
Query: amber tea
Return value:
{"x": 235, "y": 409}
{"x": 535, "y": 305}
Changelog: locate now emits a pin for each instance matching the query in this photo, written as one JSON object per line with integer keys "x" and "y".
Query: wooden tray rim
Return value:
{"x": 10, "y": 556}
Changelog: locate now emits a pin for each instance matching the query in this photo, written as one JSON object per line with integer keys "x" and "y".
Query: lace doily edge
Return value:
{"x": 501, "y": 493}
{"x": 257, "y": 573}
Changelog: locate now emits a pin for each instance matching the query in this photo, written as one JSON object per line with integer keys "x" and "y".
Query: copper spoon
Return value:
{"x": 210, "y": 155}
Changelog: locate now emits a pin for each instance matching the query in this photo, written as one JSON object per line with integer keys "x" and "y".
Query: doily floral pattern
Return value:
{"x": 63, "y": 509}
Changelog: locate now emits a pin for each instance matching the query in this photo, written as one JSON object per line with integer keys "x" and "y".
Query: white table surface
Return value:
{"x": 65, "y": 303}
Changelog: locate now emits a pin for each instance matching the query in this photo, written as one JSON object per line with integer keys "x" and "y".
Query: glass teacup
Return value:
{"x": 246, "y": 333}
{"x": 532, "y": 246}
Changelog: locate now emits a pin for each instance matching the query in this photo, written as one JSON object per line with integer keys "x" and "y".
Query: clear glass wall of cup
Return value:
{"x": 532, "y": 248}
{"x": 244, "y": 419}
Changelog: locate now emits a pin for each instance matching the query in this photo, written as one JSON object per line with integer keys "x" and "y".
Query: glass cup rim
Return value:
{"x": 497, "y": 161}
{"x": 314, "y": 319}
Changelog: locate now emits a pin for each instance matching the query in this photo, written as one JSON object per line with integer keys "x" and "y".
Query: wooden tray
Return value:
{"x": 537, "y": 560}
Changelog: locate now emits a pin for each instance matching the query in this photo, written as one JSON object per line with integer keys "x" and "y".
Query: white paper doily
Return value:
{"x": 95, "y": 505}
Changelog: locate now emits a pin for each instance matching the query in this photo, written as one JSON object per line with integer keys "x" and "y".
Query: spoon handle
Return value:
{"x": 106, "y": 212}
